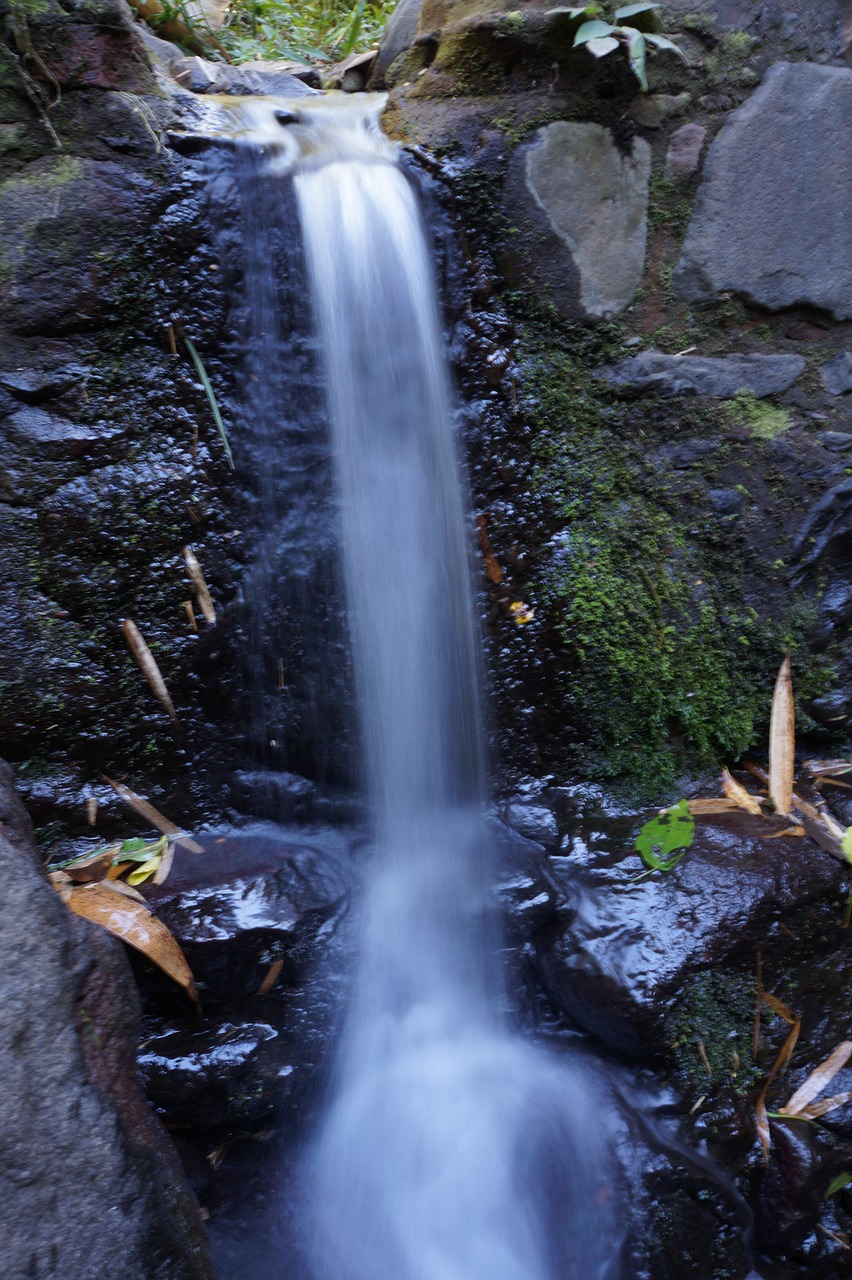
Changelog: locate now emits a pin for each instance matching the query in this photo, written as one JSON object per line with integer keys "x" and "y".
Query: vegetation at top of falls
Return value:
{"x": 323, "y": 30}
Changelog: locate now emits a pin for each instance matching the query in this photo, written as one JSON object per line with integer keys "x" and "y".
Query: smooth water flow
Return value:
{"x": 451, "y": 1148}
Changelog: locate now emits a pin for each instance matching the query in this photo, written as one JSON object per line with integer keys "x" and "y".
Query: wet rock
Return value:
{"x": 837, "y": 374}
{"x": 248, "y": 901}
{"x": 589, "y": 199}
{"x": 70, "y": 1097}
{"x": 746, "y": 234}
{"x": 826, "y": 526}
{"x": 631, "y": 943}
{"x": 256, "y": 915}
{"x": 654, "y": 373}
{"x": 534, "y": 822}
{"x": 64, "y": 223}
{"x": 726, "y": 502}
{"x": 399, "y": 34}
{"x": 92, "y": 45}
{"x": 836, "y": 441}
{"x": 684, "y": 153}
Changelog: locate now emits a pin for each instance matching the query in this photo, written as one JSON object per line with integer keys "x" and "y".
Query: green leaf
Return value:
{"x": 630, "y": 9}
{"x": 602, "y": 45}
{"x": 846, "y": 844}
{"x": 672, "y": 829}
{"x": 636, "y": 53}
{"x": 593, "y": 30}
{"x": 663, "y": 42}
{"x": 837, "y": 1184}
{"x": 211, "y": 399}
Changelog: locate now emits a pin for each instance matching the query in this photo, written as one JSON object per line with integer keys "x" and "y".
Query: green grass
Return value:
{"x": 325, "y": 30}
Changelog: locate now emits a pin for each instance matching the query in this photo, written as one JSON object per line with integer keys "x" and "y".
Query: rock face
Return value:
{"x": 90, "y": 1185}
{"x": 774, "y": 215}
{"x": 593, "y": 198}
{"x": 653, "y": 373}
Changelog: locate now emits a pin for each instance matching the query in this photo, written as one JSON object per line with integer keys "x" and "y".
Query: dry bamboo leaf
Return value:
{"x": 272, "y": 975}
{"x": 162, "y": 873}
{"x": 782, "y": 740}
{"x": 134, "y": 924}
{"x": 784, "y": 1055}
{"x": 205, "y": 600}
{"x": 492, "y": 564}
{"x": 761, "y": 1123}
{"x": 121, "y": 887}
{"x": 716, "y": 804}
{"x": 92, "y": 810}
{"x": 817, "y": 1109}
{"x": 736, "y": 792}
{"x": 148, "y": 666}
{"x": 826, "y": 768}
{"x": 779, "y": 1007}
{"x": 818, "y": 1079}
{"x": 798, "y": 832}
{"x": 146, "y": 810}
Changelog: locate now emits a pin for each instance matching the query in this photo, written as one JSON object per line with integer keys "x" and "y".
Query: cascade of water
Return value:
{"x": 451, "y": 1149}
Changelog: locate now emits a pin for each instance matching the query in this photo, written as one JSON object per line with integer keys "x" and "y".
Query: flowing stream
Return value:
{"x": 451, "y": 1148}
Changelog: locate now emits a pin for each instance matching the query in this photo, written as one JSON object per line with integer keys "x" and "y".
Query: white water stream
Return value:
{"x": 452, "y": 1149}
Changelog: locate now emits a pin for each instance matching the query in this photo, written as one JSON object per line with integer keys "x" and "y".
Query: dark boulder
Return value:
{"x": 91, "y": 1188}
{"x": 653, "y": 373}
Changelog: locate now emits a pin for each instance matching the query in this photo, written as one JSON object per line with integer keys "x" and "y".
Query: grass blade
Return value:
{"x": 211, "y": 399}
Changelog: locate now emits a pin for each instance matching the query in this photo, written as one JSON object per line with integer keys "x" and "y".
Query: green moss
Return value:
{"x": 645, "y": 587}
{"x": 765, "y": 421}
{"x": 712, "y": 1026}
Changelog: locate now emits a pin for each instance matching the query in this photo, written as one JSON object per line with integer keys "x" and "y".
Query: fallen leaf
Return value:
{"x": 826, "y": 768}
{"x": 205, "y": 600}
{"x": 672, "y": 829}
{"x": 492, "y": 565}
{"x": 818, "y": 1079}
{"x": 817, "y": 1109}
{"x": 736, "y": 792}
{"x": 779, "y": 1007}
{"x": 521, "y": 612}
{"x": 156, "y": 819}
{"x": 271, "y": 977}
{"x": 706, "y": 808}
{"x": 782, "y": 740}
{"x": 797, "y": 831}
{"x": 148, "y": 666}
{"x": 134, "y": 923}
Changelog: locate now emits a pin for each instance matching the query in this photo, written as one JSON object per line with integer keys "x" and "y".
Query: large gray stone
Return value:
{"x": 595, "y": 199}
{"x": 89, "y": 1186}
{"x": 654, "y": 373}
{"x": 773, "y": 222}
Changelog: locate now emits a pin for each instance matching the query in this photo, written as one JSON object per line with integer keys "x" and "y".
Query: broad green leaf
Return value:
{"x": 846, "y": 844}
{"x": 630, "y": 9}
{"x": 663, "y": 42}
{"x": 602, "y": 46}
{"x": 636, "y": 53}
{"x": 672, "y": 829}
{"x": 837, "y": 1184}
{"x": 593, "y": 30}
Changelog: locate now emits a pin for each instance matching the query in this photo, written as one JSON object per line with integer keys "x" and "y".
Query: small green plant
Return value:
{"x": 319, "y": 30}
{"x": 601, "y": 37}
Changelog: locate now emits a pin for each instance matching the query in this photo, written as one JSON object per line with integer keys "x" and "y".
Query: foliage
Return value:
{"x": 324, "y": 30}
{"x": 601, "y": 37}
{"x": 671, "y": 830}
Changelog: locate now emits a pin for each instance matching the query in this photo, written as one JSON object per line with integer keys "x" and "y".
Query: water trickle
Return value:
{"x": 451, "y": 1148}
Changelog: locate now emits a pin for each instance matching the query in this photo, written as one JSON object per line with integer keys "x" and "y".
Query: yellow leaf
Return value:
{"x": 735, "y": 791}
{"x": 782, "y": 740}
{"x": 145, "y": 871}
{"x": 846, "y": 844}
{"x": 521, "y": 612}
{"x": 134, "y": 923}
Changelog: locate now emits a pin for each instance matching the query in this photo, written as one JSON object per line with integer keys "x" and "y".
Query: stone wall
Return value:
{"x": 655, "y": 358}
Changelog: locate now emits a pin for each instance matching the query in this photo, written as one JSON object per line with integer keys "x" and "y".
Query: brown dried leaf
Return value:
{"x": 778, "y": 1006}
{"x": 146, "y": 810}
{"x": 782, "y": 740}
{"x": 271, "y": 977}
{"x": 736, "y": 792}
{"x": 161, "y": 875}
{"x": 784, "y": 1055}
{"x": 717, "y": 804}
{"x": 205, "y": 600}
{"x": 818, "y": 1079}
{"x": 148, "y": 666}
{"x": 492, "y": 564}
{"x": 826, "y": 768}
{"x": 133, "y": 922}
{"x": 787, "y": 831}
{"x": 62, "y": 883}
{"x": 817, "y": 1109}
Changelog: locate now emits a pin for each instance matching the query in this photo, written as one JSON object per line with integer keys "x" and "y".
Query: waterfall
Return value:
{"x": 451, "y": 1148}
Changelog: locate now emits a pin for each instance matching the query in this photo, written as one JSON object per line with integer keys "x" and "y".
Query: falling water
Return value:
{"x": 451, "y": 1148}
